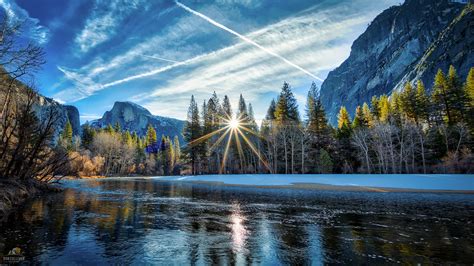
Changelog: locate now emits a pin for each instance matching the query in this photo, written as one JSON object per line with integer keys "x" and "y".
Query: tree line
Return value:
{"x": 408, "y": 131}
{"x": 111, "y": 151}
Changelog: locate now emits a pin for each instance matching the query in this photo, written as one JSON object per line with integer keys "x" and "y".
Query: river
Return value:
{"x": 152, "y": 221}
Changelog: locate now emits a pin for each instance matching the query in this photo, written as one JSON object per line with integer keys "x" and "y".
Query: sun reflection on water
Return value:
{"x": 239, "y": 231}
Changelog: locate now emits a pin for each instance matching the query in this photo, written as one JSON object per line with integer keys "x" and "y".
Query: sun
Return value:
{"x": 234, "y": 123}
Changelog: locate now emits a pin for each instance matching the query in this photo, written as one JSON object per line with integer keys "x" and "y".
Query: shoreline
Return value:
{"x": 310, "y": 183}
{"x": 14, "y": 194}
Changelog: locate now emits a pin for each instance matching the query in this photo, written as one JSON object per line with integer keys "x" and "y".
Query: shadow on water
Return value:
{"x": 148, "y": 221}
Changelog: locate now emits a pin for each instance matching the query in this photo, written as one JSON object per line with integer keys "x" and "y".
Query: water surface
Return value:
{"x": 150, "y": 221}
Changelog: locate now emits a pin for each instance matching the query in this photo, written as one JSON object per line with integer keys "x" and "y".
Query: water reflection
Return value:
{"x": 152, "y": 222}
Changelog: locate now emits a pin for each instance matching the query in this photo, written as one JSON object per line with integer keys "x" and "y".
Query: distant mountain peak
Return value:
{"x": 136, "y": 118}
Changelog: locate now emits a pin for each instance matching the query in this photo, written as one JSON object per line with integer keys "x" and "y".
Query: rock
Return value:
{"x": 136, "y": 118}
{"x": 394, "y": 45}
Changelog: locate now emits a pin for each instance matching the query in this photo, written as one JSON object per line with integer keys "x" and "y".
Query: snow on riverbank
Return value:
{"x": 414, "y": 181}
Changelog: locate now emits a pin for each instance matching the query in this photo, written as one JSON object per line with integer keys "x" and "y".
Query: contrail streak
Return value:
{"x": 160, "y": 58}
{"x": 246, "y": 39}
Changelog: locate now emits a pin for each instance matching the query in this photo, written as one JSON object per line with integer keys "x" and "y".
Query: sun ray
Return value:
{"x": 226, "y": 152}
{"x": 196, "y": 141}
{"x": 252, "y": 147}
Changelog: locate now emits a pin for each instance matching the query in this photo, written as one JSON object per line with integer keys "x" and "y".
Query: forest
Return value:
{"x": 408, "y": 131}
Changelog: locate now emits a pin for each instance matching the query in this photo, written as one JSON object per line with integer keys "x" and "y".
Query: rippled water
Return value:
{"x": 139, "y": 221}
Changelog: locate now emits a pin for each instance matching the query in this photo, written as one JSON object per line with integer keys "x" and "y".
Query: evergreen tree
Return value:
{"x": 67, "y": 135}
{"x": 177, "y": 150}
{"x": 367, "y": 115}
{"x": 409, "y": 102}
{"x": 226, "y": 108}
{"x": 375, "y": 107}
{"x": 469, "y": 88}
{"x": 359, "y": 119}
{"x": 151, "y": 138}
{"x": 117, "y": 127}
{"x": 325, "y": 162}
{"x": 422, "y": 102}
{"x": 384, "y": 108}
{"x": 109, "y": 129}
{"x": 311, "y": 102}
{"x": 441, "y": 98}
{"x": 88, "y": 134}
{"x": 192, "y": 131}
{"x": 457, "y": 95}
{"x": 242, "y": 112}
{"x": 252, "y": 124}
{"x": 469, "y": 92}
{"x": 127, "y": 138}
{"x": 343, "y": 118}
{"x": 286, "y": 107}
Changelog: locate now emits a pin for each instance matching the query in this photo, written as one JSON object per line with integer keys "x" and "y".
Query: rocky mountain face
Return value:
{"x": 134, "y": 117}
{"x": 42, "y": 105}
{"x": 65, "y": 112}
{"x": 403, "y": 43}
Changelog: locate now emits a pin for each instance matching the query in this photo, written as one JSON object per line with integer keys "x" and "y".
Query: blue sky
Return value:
{"x": 158, "y": 53}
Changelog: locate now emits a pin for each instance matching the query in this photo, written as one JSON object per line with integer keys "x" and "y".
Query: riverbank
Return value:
{"x": 355, "y": 182}
{"x": 14, "y": 193}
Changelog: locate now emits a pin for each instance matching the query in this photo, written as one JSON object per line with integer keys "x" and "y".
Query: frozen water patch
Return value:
{"x": 401, "y": 181}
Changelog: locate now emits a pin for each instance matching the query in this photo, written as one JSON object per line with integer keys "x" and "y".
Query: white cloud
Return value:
{"x": 103, "y": 21}
{"x": 30, "y": 26}
{"x": 316, "y": 40}
{"x": 315, "y": 43}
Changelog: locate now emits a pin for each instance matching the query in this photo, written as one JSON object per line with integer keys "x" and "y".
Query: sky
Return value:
{"x": 158, "y": 53}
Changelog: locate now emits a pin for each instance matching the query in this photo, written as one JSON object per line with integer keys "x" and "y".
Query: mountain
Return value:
{"x": 403, "y": 43}
{"x": 66, "y": 112}
{"x": 41, "y": 104}
{"x": 134, "y": 117}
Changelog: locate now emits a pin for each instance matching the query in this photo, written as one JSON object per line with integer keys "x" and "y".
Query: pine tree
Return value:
{"x": 457, "y": 95}
{"x": 88, "y": 134}
{"x": 422, "y": 102}
{"x": 375, "y": 107}
{"x": 469, "y": 88}
{"x": 441, "y": 98}
{"x": 151, "y": 138}
{"x": 359, "y": 119}
{"x": 192, "y": 131}
{"x": 286, "y": 107}
{"x": 117, "y": 127}
{"x": 109, "y": 129}
{"x": 242, "y": 112}
{"x": 343, "y": 118}
{"x": 252, "y": 124}
{"x": 177, "y": 150}
{"x": 384, "y": 108}
{"x": 311, "y": 102}
{"x": 226, "y": 108}
{"x": 67, "y": 135}
{"x": 127, "y": 138}
{"x": 367, "y": 115}
{"x": 409, "y": 103}
{"x": 469, "y": 92}
{"x": 325, "y": 162}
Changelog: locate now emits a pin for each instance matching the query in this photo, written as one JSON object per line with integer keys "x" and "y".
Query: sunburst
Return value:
{"x": 233, "y": 129}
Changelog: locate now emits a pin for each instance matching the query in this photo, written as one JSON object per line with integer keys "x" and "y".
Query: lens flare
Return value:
{"x": 234, "y": 123}
{"x": 234, "y": 130}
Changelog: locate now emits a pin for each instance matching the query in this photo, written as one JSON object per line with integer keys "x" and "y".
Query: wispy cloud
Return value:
{"x": 193, "y": 54}
{"x": 102, "y": 24}
{"x": 246, "y": 39}
{"x": 32, "y": 29}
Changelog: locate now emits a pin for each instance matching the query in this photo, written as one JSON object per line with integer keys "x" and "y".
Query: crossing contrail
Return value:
{"x": 246, "y": 39}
